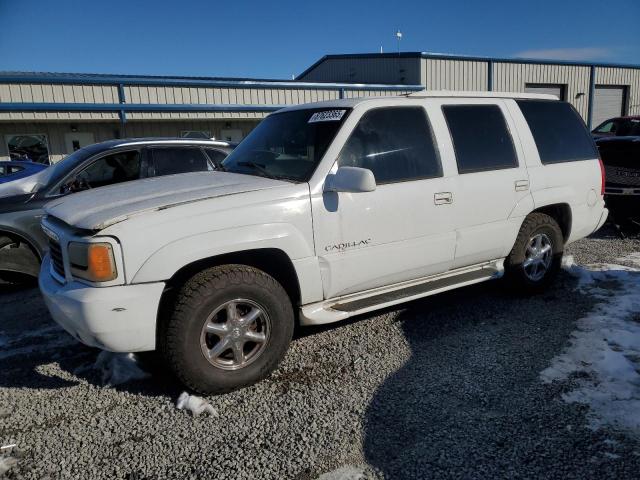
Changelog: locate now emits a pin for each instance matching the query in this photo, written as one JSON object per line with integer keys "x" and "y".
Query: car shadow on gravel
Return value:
{"x": 469, "y": 403}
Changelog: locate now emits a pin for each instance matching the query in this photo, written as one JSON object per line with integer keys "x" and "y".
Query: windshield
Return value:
{"x": 287, "y": 145}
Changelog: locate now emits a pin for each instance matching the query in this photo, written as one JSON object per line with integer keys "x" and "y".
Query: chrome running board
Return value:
{"x": 340, "y": 308}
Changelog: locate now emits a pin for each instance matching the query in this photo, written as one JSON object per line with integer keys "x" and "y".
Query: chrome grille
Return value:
{"x": 56, "y": 257}
{"x": 622, "y": 176}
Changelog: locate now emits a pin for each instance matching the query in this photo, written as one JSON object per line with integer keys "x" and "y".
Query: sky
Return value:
{"x": 278, "y": 39}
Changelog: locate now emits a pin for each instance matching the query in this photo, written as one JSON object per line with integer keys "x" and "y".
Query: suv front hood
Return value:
{"x": 102, "y": 207}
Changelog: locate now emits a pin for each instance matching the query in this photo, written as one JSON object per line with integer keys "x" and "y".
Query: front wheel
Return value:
{"x": 230, "y": 328}
{"x": 536, "y": 256}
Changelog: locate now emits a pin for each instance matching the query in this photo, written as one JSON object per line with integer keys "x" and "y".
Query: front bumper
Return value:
{"x": 118, "y": 319}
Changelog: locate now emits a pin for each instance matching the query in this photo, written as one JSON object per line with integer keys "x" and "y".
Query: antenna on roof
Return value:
{"x": 398, "y": 37}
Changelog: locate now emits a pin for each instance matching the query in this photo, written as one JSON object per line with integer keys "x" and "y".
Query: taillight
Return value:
{"x": 602, "y": 176}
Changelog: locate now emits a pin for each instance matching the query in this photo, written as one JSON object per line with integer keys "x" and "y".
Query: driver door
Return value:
{"x": 401, "y": 230}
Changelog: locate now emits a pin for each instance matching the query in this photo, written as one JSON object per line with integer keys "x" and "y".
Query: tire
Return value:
{"x": 528, "y": 270}
{"x": 237, "y": 293}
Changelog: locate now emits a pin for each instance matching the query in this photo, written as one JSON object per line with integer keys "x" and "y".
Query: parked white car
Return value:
{"x": 325, "y": 211}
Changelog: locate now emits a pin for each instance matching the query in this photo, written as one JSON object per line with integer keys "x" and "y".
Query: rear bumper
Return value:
{"x": 118, "y": 319}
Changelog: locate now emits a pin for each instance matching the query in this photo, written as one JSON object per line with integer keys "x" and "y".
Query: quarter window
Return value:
{"x": 395, "y": 143}
{"x": 480, "y": 137}
{"x": 558, "y": 130}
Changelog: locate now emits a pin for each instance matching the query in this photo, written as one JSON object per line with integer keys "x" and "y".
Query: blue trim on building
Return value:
{"x": 490, "y": 75}
{"x": 592, "y": 90}
{"x": 123, "y": 108}
{"x": 90, "y": 79}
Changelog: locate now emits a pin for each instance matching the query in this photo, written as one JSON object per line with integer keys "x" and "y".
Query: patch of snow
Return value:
{"x": 40, "y": 340}
{"x": 605, "y": 348}
{"x": 195, "y": 405}
{"x": 347, "y": 472}
{"x": 6, "y": 464}
{"x": 633, "y": 258}
{"x": 118, "y": 368}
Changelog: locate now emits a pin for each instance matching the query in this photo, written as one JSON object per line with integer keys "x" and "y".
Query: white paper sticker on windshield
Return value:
{"x": 327, "y": 116}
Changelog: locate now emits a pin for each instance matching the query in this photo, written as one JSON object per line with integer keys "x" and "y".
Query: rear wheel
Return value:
{"x": 536, "y": 256}
{"x": 230, "y": 327}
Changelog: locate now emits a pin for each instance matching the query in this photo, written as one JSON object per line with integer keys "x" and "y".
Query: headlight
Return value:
{"x": 92, "y": 261}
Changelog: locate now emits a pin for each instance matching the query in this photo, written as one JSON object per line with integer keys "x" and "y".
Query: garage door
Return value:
{"x": 608, "y": 102}
{"x": 545, "y": 88}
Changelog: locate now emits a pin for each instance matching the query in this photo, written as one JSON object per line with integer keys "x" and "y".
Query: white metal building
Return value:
{"x": 598, "y": 91}
{"x": 49, "y": 115}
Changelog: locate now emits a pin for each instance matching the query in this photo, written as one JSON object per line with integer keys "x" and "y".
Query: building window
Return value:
{"x": 195, "y": 134}
{"x": 30, "y": 147}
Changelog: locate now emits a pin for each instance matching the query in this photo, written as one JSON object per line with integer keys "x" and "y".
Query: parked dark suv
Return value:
{"x": 22, "y": 242}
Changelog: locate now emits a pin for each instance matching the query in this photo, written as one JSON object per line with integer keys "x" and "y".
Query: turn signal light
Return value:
{"x": 92, "y": 261}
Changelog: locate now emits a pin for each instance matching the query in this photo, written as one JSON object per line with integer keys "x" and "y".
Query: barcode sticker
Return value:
{"x": 327, "y": 116}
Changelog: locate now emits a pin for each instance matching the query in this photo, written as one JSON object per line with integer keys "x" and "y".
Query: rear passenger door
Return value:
{"x": 173, "y": 160}
{"x": 492, "y": 178}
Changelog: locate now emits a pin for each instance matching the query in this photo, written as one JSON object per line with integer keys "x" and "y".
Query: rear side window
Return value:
{"x": 480, "y": 137}
{"x": 173, "y": 160}
{"x": 558, "y": 130}
{"x": 395, "y": 143}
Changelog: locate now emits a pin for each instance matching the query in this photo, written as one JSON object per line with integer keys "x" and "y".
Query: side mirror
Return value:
{"x": 350, "y": 179}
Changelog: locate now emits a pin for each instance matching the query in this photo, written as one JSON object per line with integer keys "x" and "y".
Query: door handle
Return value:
{"x": 443, "y": 198}
{"x": 522, "y": 185}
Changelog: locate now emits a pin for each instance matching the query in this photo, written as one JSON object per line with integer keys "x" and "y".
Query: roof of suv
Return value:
{"x": 352, "y": 102}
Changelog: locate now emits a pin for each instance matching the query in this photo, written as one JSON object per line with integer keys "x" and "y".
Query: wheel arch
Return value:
{"x": 561, "y": 213}
{"x": 23, "y": 237}
{"x": 272, "y": 261}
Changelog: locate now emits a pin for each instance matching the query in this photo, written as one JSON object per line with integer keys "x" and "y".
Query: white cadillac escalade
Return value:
{"x": 324, "y": 211}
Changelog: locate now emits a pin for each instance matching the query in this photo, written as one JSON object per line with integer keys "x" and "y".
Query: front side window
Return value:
{"x": 173, "y": 160}
{"x": 287, "y": 145}
{"x": 559, "y": 132}
{"x": 480, "y": 136}
{"x": 395, "y": 143}
{"x": 114, "y": 168}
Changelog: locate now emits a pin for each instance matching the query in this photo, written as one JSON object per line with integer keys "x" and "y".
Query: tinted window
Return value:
{"x": 287, "y": 145}
{"x": 628, "y": 128}
{"x": 110, "y": 169}
{"x": 169, "y": 161}
{"x": 480, "y": 137}
{"x": 395, "y": 143}
{"x": 216, "y": 156}
{"x": 558, "y": 130}
{"x": 14, "y": 169}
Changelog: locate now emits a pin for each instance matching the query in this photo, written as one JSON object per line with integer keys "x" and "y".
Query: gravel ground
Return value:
{"x": 444, "y": 387}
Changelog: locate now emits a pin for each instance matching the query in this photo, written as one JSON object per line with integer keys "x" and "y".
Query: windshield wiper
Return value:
{"x": 259, "y": 168}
